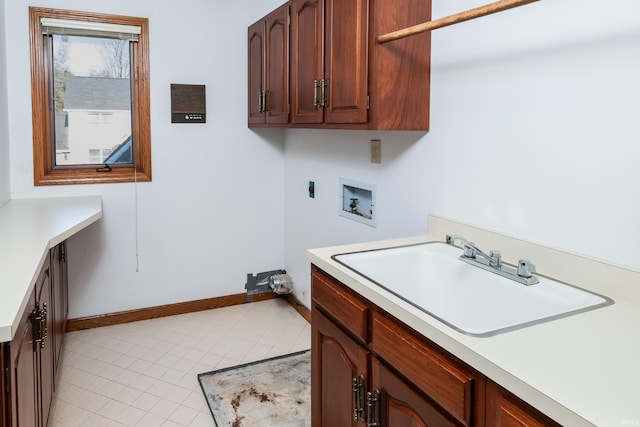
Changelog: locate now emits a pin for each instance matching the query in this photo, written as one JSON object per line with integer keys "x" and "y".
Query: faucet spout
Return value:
{"x": 472, "y": 251}
{"x": 493, "y": 261}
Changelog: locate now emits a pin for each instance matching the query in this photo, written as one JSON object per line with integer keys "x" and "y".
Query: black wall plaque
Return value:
{"x": 188, "y": 104}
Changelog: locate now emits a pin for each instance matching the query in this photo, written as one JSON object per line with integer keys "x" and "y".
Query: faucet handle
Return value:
{"x": 526, "y": 268}
{"x": 495, "y": 259}
{"x": 469, "y": 249}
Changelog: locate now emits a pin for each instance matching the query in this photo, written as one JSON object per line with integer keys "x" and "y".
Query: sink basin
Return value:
{"x": 467, "y": 298}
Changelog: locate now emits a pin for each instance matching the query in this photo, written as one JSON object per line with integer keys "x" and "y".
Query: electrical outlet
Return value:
{"x": 376, "y": 151}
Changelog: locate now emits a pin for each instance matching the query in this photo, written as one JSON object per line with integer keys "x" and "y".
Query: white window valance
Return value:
{"x": 53, "y": 26}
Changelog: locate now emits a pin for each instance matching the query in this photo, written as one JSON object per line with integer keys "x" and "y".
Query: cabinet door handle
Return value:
{"x": 45, "y": 328}
{"x": 260, "y": 102}
{"x": 40, "y": 330}
{"x": 358, "y": 398}
{"x": 265, "y": 101}
{"x": 325, "y": 92}
{"x": 36, "y": 317}
{"x": 321, "y": 93}
{"x": 373, "y": 409}
{"x": 316, "y": 93}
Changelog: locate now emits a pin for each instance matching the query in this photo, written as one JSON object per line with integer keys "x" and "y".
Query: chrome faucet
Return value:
{"x": 472, "y": 251}
{"x": 493, "y": 261}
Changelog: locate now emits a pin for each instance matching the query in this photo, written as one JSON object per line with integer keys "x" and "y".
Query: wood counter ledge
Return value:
{"x": 28, "y": 229}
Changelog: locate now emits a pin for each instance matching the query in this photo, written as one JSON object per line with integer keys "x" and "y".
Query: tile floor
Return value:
{"x": 145, "y": 373}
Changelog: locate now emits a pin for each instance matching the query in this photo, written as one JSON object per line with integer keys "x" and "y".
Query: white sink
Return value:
{"x": 469, "y": 299}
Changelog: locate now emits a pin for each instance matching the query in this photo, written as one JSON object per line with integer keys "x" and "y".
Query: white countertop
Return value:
{"x": 28, "y": 229}
{"x": 581, "y": 370}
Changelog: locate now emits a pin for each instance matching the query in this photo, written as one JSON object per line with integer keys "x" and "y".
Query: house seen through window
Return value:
{"x": 92, "y": 94}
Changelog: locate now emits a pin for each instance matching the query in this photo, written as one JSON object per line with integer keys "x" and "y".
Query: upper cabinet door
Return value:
{"x": 269, "y": 69}
{"x": 276, "y": 101}
{"x": 346, "y": 31}
{"x": 307, "y": 60}
{"x": 256, "y": 72}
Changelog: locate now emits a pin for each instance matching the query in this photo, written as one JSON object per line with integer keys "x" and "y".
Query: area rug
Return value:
{"x": 271, "y": 392}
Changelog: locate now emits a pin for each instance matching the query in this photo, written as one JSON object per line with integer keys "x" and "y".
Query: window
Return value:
{"x": 90, "y": 97}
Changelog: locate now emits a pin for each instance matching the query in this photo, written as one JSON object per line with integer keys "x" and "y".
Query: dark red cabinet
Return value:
{"x": 29, "y": 361}
{"x": 340, "y": 77}
{"x": 368, "y": 368}
{"x": 268, "y": 61}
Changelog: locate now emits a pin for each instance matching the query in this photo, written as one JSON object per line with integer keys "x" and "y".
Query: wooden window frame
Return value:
{"x": 44, "y": 172}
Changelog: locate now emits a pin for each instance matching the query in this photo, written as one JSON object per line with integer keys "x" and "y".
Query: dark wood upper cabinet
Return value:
{"x": 346, "y": 71}
{"x": 269, "y": 69}
{"x": 256, "y": 72}
{"x": 329, "y": 61}
{"x": 341, "y": 78}
{"x": 307, "y": 60}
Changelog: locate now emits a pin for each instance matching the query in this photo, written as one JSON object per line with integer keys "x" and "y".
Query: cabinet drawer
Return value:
{"x": 448, "y": 382}
{"x": 342, "y": 305}
{"x": 505, "y": 409}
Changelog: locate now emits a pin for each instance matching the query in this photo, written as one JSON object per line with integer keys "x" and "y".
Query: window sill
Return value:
{"x": 69, "y": 177}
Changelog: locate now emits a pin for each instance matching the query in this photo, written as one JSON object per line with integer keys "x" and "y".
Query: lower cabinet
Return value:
{"x": 59, "y": 285}
{"x": 28, "y": 360}
{"x": 396, "y": 403}
{"x": 506, "y": 410}
{"x": 337, "y": 363}
{"x": 3, "y": 390}
{"x": 369, "y": 369}
{"x": 452, "y": 388}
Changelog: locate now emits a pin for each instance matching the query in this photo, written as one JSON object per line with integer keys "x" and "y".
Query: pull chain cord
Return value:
{"x": 135, "y": 187}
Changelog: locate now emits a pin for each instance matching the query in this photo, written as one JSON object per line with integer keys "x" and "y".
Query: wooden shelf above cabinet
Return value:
{"x": 467, "y": 15}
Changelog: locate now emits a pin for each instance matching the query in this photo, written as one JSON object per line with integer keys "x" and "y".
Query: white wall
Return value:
{"x": 214, "y": 211}
{"x": 534, "y": 132}
{"x": 5, "y": 184}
